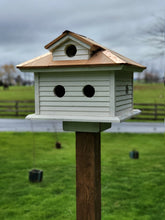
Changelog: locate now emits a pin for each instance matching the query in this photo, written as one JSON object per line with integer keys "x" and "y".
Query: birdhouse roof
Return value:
{"x": 101, "y": 56}
{"x": 82, "y": 38}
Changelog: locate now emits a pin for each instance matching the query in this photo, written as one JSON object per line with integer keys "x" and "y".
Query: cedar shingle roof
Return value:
{"x": 102, "y": 57}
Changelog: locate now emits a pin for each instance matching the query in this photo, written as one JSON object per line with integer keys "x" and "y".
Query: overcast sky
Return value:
{"x": 27, "y": 26}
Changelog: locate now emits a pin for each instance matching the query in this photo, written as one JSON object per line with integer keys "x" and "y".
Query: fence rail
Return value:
{"x": 18, "y": 108}
{"x": 150, "y": 111}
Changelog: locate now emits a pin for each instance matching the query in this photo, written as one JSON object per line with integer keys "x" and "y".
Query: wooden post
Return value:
{"x": 16, "y": 108}
{"x": 88, "y": 176}
{"x": 155, "y": 112}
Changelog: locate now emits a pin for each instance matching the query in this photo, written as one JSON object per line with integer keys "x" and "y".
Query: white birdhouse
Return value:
{"x": 79, "y": 80}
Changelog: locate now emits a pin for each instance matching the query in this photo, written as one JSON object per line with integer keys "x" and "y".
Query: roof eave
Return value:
{"x": 133, "y": 68}
{"x": 68, "y": 68}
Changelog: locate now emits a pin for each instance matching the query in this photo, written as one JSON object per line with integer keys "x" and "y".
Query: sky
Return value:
{"x": 27, "y": 26}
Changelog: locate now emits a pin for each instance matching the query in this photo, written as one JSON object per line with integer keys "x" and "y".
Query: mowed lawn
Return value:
{"x": 149, "y": 93}
{"x": 17, "y": 93}
{"x": 131, "y": 189}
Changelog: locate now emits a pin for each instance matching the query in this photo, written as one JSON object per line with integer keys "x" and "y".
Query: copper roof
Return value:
{"x": 102, "y": 57}
{"x": 82, "y": 38}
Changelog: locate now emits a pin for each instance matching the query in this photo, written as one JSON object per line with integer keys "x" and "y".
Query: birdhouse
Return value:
{"x": 79, "y": 80}
{"x": 87, "y": 86}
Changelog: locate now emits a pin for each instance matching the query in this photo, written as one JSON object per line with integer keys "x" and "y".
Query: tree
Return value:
{"x": 149, "y": 77}
{"x": 155, "y": 37}
{"x": 8, "y": 70}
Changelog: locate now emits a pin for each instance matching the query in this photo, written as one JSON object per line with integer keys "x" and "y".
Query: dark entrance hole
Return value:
{"x": 89, "y": 91}
{"x": 59, "y": 91}
{"x": 71, "y": 50}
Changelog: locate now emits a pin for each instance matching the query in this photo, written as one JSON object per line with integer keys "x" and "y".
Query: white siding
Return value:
{"x": 74, "y": 102}
{"x": 123, "y": 97}
{"x": 82, "y": 52}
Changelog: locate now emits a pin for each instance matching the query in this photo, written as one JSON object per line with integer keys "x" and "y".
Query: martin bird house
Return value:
{"x": 79, "y": 80}
{"x": 87, "y": 86}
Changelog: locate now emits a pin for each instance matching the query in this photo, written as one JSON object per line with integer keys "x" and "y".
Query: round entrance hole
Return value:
{"x": 89, "y": 91}
{"x": 71, "y": 50}
{"x": 59, "y": 91}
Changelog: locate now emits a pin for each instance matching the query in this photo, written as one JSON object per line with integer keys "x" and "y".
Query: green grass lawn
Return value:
{"x": 149, "y": 93}
{"x": 131, "y": 189}
{"x": 17, "y": 93}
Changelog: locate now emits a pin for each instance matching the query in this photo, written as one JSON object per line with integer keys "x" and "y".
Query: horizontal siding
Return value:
{"x": 123, "y": 102}
{"x": 74, "y": 88}
{"x": 68, "y": 42}
{"x": 123, "y": 111}
{"x": 74, "y": 94}
{"x": 74, "y": 102}
{"x": 124, "y": 99}
{"x": 52, "y": 82}
{"x": 122, "y": 93}
{"x": 75, "y": 99}
{"x": 76, "y": 57}
{"x": 76, "y": 109}
{"x": 59, "y": 53}
{"x": 123, "y": 107}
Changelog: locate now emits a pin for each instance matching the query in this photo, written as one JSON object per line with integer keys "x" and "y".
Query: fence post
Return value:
{"x": 16, "y": 108}
{"x": 155, "y": 112}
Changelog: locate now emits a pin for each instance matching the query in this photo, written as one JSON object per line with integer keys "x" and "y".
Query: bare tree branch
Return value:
{"x": 155, "y": 37}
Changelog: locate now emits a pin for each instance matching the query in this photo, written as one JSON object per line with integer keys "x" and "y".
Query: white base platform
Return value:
{"x": 87, "y": 118}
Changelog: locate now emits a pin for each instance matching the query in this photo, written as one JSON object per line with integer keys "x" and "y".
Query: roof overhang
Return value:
{"x": 80, "y": 68}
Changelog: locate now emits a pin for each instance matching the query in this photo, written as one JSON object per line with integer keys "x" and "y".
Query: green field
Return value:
{"x": 149, "y": 93}
{"x": 17, "y": 93}
{"x": 131, "y": 189}
{"x": 143, "y": 93}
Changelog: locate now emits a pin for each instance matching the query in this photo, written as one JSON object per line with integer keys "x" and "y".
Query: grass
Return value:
{"x": 149, "y": 93}
{"x": 131, "y": 189}
{"x": 17, "y": 93}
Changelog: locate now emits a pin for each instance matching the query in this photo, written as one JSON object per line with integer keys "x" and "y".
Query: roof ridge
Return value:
{"x": 112, "y": 56}
{"x": 86, "y": 40}
{"x": 128, "y": 60}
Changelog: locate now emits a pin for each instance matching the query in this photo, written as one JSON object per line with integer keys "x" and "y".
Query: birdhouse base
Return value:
{"x": 85, "y": 126}
{"x": 93, "y": 119}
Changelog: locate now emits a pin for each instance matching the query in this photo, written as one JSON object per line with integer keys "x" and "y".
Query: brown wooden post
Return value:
{"x": 88, "y": 176}
{"x": 155, "y": 112}
{"x": 16, "y": 108}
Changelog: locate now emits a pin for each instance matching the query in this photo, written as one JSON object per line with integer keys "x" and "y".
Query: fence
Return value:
{"x": 150, "y": 111}
{"x": 16, "y": 108}
{"x": 23, "y": 108}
